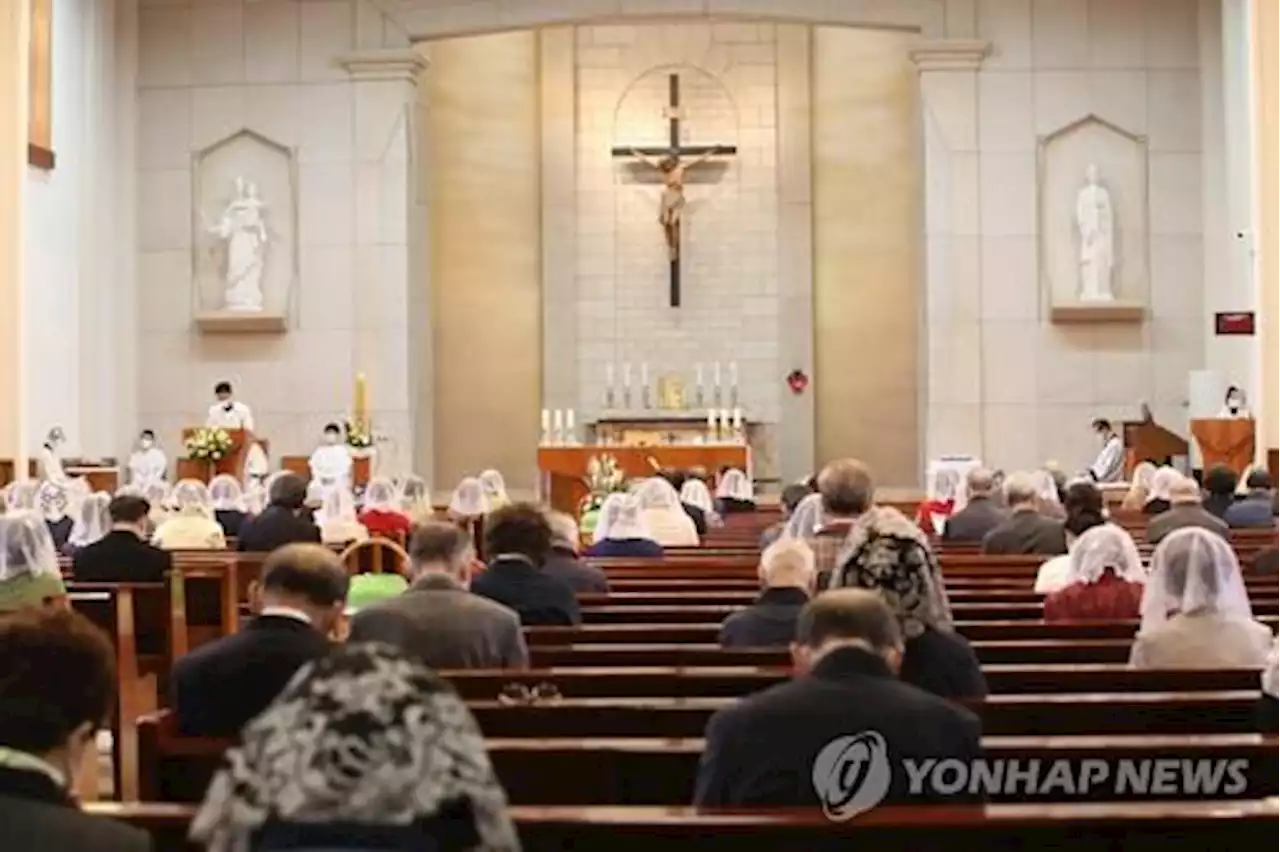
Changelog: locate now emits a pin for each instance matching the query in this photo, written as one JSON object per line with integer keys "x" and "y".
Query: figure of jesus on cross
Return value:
{"x": 670, "y": 162}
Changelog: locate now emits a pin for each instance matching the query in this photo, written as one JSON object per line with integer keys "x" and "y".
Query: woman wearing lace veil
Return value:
{"x": 229, "y": 507}
{"x": 92, "y": 521}
{"x": 669, "y": 524}
{"x": 467, "y": 507}
{"x": 1195, "y": 609}
{"x": 381, "y": 513}
{"x": 1104, "y": 578}
{"x": 29, "y": 573}
{"x": 192, "y": 525}
{"x": 337, "y": 518}
{"x": 390, "y": 758}
{"x": 495, "y": 489}
{"x": 622, "y": 531}
{"x": 55, "y": 506}
{"x": 415, "y": 499}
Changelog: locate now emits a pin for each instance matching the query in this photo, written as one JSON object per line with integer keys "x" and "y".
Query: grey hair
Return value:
{"x": 846, "y": 487}
{"x": 564, "y": 530}
{"x": 785, "y": 560}
{"x": 1020, "y": 487}
{"x": 844, "y": 614}
{"x": 980, "y": 481}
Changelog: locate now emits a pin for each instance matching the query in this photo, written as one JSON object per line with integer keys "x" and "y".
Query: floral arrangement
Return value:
{"x": 359, "y": 435}
{"x": 603, "y": 478}
{"x": 208, "y": 443}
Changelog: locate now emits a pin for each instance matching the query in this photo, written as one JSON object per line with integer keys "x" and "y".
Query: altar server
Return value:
{"x": 147, "y": 463}
{"x": 330, "y": 462}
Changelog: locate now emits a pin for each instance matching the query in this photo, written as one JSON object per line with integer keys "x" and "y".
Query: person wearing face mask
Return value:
{"x": 228, "y": 412}
{"x": 1233, "y": 404}
{"x": 1109, "y": 465}
{"x": 330, "y": 463}
{"x": 147, "y": 464}
{"x": 48, "y": 730}
{"x": 51, "y": 456}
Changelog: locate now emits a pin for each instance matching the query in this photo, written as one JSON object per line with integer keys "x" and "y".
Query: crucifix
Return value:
{"x": 667, "y": 160}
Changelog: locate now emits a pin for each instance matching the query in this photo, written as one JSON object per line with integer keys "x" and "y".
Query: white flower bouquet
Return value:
{"x": 208, "y": 443}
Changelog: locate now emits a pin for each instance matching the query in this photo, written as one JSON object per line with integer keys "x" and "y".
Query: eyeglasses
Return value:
{"x": 519, "y": 693}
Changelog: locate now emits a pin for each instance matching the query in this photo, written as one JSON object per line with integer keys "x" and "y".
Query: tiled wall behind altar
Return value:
{"x": 208, "y": 69}
{"x": 730, "y": 292}
{"x": 1002, "y": 379}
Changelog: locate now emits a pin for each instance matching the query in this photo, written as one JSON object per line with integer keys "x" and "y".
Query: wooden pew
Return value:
{"x": 1156, "y": 826}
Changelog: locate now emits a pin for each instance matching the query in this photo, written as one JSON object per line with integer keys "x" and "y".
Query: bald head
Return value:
{"x": 844, "y": 618}
{"x": 980, "y": 482}
{"x": 787, "y": 563}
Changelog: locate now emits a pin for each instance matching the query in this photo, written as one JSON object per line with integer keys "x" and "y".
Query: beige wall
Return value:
{"x": 1267, "y": 57}
{"x": 483, "y": 168}
{"x": 13, "y": 166}
{"x": 867, "y": 250}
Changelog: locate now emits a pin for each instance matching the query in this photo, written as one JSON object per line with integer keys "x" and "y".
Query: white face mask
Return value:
{"x": 1233, "y": 403}
{"x": 330, "y": 438}
{"x": 146, "y": 443}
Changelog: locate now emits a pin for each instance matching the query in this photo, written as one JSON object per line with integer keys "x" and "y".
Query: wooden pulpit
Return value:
{"x": 1147, "y": 440}
{"x": 231, "y": 464}
{"x": 1225, "y": 441}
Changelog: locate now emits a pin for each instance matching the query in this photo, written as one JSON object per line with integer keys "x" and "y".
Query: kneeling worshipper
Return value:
{"x": 621, "y": 530}
{"x": 1104, "y": 579}
{"x": 734, "y": 493}
{"x": 227, "y": 498}
{"x": 29, "y": 572}
{"x": 1162, "y": 484}
{"x": 380, "y": 514}
{"x": 92, "y": 522}
{"x": 330, "y": 462}
{"x": 192, "y": 525}
{"x": 147, "y": 463}
{"x": 1195, "y": 608}
{"x": 54, "y": 505}
{"x": 393, "y": 760}
{"x": 695, "y": 493}
{"x": 495, "y": 489}
{"x": 337, "y": 520}
{"x": 668, "y": 523}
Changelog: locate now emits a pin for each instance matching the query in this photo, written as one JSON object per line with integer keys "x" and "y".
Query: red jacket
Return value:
{"x": 1109, "y": 599}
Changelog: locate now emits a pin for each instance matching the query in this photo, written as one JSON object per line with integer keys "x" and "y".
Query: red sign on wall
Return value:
{"x": 1241, "y": 322}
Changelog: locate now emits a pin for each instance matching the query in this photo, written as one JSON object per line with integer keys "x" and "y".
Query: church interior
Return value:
{"x": 545, "y": 237}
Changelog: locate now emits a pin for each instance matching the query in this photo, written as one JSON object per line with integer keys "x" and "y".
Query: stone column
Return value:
{"x": 952, "y": 394}
{"x": 13, "y": 167}
{"x": 388, "y": 331}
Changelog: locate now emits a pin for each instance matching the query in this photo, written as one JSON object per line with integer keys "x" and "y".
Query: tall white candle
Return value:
{"x": 626, "y": 374}
{"x": 733, "y": 374}
{"x": 568, "y": 420}
{"x": 608, "y": 375}
{"x": 697, "y": 373}
{"x": 724, "y": 420}
{"x": 644, "y": 374}
{"x": 711, "y": 420}
{"x": 546, "y": 420}
{"x": 558, "y": 419}
{"x": 715, "y": 373}
{"x": 737, "y": 418}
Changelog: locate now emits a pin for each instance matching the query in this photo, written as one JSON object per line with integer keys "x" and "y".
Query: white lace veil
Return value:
{"x": 696, "y": 493}
{"x": 21, "y": 496}
{"x": 54, "y": 501}
{"x": 415, "y": 495}
{"x": 1102, "y": 547}
{"x": 495, "y": 487}
{"x": 469, "y": 499}
{"x": 656, "y": 494}
{"x": 338, "y": 506}
{"x": 806, "y": 519}
{"x": 1046, "y": 488}
{"x": 621, "y": 518}
{"x": 1192, "y": 570}
{"x": 1162, "y": 482}
{"x": 158, "y": 494}
{"x": 191, "y": 497}
{"x": 380, "y": 495}
{"x": 226, "y": 494}
{"x": 26, "y": 546}
{"x": 1143, "y": 473}
{"x": 92, "y": 521}
{"x": 735, "y": 485}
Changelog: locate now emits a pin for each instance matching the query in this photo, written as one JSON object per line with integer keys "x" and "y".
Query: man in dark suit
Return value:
{"x": 1256, "y": 508}
{"x": 563, "y": 562}
{"x": 123, "y": 555}
{"x": 979, "y": 516}
{"x": 787, "y": 571}
{"x": 518, "y": 540}
{"x": 222, "y": 685}
{"x": 1025, "y": 531}
{"x": 761, "y": 751}
{"x": 58, "y": 689}
{"x": 437, "y": 620}
{"x": 284, "y": 521}
{"x": 1184, "y": 511}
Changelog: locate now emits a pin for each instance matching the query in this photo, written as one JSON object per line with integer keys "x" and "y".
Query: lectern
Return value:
{"x": 1147, "y": 440}
{"x": 1225, "y": 441}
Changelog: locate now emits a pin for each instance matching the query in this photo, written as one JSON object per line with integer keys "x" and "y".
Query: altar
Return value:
{"x": 563, "y": 469}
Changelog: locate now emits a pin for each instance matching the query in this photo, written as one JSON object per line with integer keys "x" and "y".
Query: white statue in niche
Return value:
{"x": 1096, "y": 223}
{"x": 243, "y": 230}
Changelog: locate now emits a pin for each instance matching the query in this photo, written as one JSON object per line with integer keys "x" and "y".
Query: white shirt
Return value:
{"x": 239, "y": 417}
{"x": 286, "y": 612}
{"x": 147, "y": 466}
{"x": 1240, "y": 413}
{"x": 330, "y": 463}
{"x": 51, "y": 465}
{"x": 1109, "y": 466}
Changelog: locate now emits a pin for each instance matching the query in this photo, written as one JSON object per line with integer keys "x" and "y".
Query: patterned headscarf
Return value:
{"x": 366, "y": 736}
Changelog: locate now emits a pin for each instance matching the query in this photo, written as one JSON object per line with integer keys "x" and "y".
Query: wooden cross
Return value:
{"x": 668, "y": 161}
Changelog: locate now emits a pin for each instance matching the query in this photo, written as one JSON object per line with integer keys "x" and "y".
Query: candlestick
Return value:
{"x": 737, "y": 418}
{"x": 546, "y": 421}
{"x": 558, "y": 419}
{"x": 568, "y": 420}
{"x": 724, "y": 421}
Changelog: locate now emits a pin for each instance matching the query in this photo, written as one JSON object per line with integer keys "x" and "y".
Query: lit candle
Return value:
{"x": 737, "y": 418}
{"x": 546, "y": 420}
{"x": 626, "y": 374}
{"x": 715, "y": 373}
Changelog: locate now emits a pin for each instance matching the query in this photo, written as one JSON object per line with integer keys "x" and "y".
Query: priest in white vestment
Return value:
{"x": 148, "y": 463}
{"x": 1109, "y": 465}
{"x": 330, "y": 463}
{"x": 228, "y": 412}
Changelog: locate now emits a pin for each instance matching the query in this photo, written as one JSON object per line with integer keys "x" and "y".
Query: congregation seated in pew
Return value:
{"x": 695, "y": 499}
{"x": 787, "y": 574}
{"x": 92, "y": 522}
{"x": 29, "y": 572}
{"x": 1184, "y": 511}
{"x": 285, "y": 519}
{"x": 57, "y": 691}
{"x": 393, "y": 760}
{"x": 563, "y": 562}
{"x": 787, "y": 502}
{"x": 123, "y": 555}
{"x": 1083, "y": 504}
{"x": 517, "y": 539}
{"x": 1162, "y": 480}
{"x": 1219, "y": 490}
{"x": 220, "y": 686}
{"x": 888, "y": 554}
{"x": 380, "y": 514}
{"x": 825, "y": 518}
{"x": 664, "y": 515}
{"x": 1104, "y": 578}
{"x": 229, "y": 507}
{"x": 621, "y": 530}
{"x": 980, "y": 515}
{"x": 191, "y": 525}
{"x": 735, "y": 493}
{"x": 1195, "y": 608}
{"x": 761, "y": 750}
{"x": 1256, "y": 508}
{"x": 1026, "y": 530}
{"x": 437, "y": 621}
